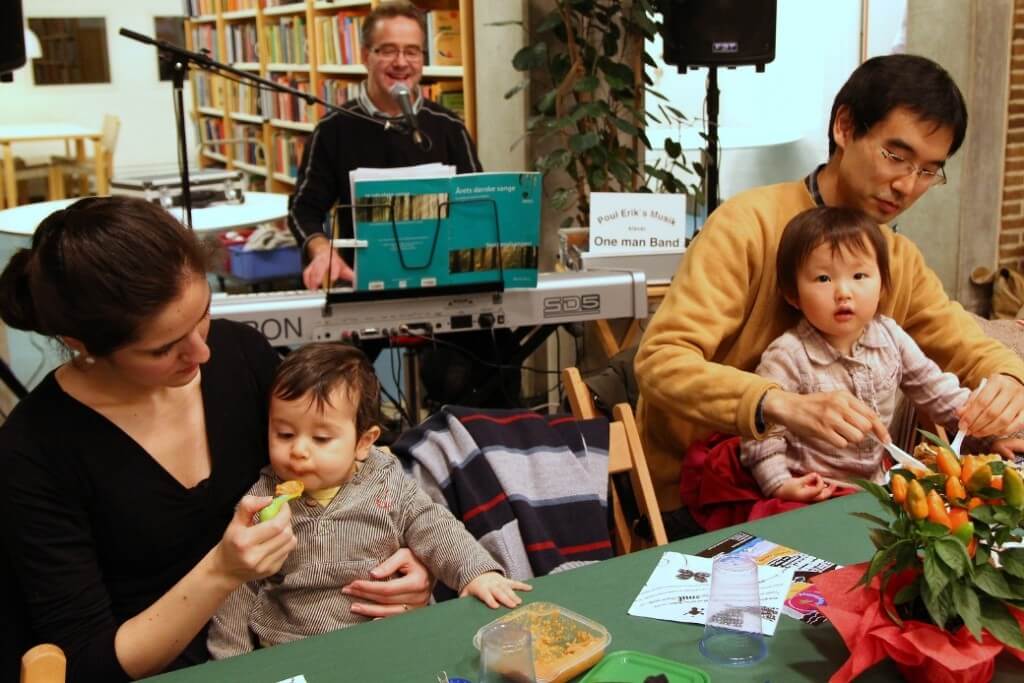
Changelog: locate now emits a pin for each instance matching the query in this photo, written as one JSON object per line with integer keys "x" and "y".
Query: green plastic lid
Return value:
{"x": 629, "y": 665}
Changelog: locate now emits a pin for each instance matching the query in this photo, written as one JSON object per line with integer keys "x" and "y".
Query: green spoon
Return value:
{"x": 272, "y": 510}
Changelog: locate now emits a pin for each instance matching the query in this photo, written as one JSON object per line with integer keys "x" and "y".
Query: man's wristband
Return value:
{"x": 759, "y": 415}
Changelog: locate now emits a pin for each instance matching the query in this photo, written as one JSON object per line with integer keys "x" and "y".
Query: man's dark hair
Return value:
{"x": 390, "y": 10}
{"x": 320, "y": 369}
{"x": 839, "y": 227}
{"x": 882, "y": 84}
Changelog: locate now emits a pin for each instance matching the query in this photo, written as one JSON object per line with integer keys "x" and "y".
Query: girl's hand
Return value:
{"x": 810, "y": 488}
{"x": 1009, "y": 447}
{"x": 494, "y": 590}
{"x": 250, "y": 551}
{"x": 388, "y": 598}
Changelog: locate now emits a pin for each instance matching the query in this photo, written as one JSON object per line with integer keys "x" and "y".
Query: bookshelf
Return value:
{"x": 313, "y": 46}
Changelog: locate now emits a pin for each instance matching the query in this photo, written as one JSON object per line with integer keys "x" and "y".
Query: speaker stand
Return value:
{"x": 711, "y": 165}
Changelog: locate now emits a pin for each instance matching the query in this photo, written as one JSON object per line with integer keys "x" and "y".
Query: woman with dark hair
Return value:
{"x": 123, "y": 468}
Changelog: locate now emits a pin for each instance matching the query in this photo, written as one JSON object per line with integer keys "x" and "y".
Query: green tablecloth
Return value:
{"x": 417, "y": 646}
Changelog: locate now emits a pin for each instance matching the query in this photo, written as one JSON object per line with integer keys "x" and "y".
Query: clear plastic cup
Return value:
{"x": 732, "y": 630}
{"x": 506, "y": 654}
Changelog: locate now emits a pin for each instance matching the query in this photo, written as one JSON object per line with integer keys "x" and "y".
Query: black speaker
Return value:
{"x": 12, "y": 36}
{"x": 718, "y": 32}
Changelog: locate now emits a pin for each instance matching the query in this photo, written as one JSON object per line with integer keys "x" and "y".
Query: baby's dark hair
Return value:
{"x": 841, "y": 228}
{"x": 320, "y": 369}
{"x": 98, "y": 270}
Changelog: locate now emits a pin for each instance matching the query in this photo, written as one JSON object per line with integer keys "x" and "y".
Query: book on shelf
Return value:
{"x": 288, "y": 149}
{"x": 444, "y": 38}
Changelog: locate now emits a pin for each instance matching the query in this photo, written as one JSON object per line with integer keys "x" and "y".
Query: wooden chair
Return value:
{"x": 625, "y": 456}
{"x": 43, "y": 664}
{"x": 85, "y": 168}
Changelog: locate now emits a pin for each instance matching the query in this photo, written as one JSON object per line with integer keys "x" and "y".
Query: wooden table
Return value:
{"x": 415, "y": 647}
{"x": 37, "y": 132}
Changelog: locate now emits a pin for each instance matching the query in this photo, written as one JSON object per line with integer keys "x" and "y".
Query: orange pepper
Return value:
{"x": 916, "y": 503}
{"x": 997, "y": 482}
{"x": 970, "y": 464}
{"x": 974, "y": 502}
{"x": 955, "y": 489}
{"x": 947, "y": 463}
{"x": 899, "y": 488}
{"x": 957, "y": 516}
{"x": 972, "y": 547}
{"x": 937, "y": 510}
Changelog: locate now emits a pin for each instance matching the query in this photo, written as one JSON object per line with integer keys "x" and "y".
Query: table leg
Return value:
{"x": 83, "y": 178}
{"x": 10, "y": 186}
{"x": 102, "y": 187}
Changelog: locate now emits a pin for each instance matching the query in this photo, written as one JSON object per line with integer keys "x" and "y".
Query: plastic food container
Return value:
{"x": 565, "y": 644}
{"x": 628, "y": 665}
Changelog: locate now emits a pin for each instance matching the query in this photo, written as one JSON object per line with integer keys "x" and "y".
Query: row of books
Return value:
{"x": 282, "y": 105}
{"x": 247, "y": 99}
{"x": 339, "y": 37}
{"x": 242, "y": 43}
{"x": 250, "y": 152}
{"x": 200, "y": 7}
{"x": 286, "y": 41}
{"x": 209, "y": 90}
{"x": 288, "y": 149}
{"x": 212, "y": 129}
{"x": 204, "y": 38}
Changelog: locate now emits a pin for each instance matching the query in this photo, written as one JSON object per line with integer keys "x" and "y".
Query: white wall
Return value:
{"x": 774, "y": 125}
{"x": 147, "y": 140}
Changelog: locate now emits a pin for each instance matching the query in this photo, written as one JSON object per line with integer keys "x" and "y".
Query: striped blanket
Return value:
{"x": 531, "y": 488}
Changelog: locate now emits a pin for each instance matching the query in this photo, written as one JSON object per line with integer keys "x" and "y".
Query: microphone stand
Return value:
{"x": 182, "y": 59}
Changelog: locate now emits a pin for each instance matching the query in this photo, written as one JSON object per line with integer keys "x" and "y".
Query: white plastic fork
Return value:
{"x": 958, "y": 440}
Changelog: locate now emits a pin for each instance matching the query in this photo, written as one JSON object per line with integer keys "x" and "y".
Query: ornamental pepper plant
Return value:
{"x": 952, "y": 530}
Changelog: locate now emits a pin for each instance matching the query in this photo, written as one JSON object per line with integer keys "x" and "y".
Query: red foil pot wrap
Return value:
{"x": 921, "y": 650}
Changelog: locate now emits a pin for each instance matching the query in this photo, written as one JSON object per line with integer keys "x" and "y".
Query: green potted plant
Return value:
{"x": 943, "y": 592}
{"x": 586, "y": 68}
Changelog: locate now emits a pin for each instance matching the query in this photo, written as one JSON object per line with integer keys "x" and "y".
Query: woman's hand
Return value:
{"x": 250, "y": 551}
{"x": 386, "y": 598}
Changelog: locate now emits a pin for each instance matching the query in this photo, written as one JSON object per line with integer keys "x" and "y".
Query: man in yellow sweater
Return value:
{"x": 893, "y": 126}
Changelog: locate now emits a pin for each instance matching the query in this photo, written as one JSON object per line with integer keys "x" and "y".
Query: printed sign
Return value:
{"x": 637, "y": 223}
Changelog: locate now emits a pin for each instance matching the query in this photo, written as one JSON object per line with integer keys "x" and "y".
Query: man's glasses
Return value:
{"x": 899, "y": 166}
{"x": 412, "y": 53}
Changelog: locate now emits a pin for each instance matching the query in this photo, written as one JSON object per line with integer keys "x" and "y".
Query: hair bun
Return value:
{"x": 17, "y": 308}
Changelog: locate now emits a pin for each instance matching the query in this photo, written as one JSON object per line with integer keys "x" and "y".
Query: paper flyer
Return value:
{"x": 803, "y": 599}
{"x": 679, "y": 588}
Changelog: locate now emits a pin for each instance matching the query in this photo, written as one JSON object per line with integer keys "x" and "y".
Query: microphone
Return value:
{"x": 400, "y": 94}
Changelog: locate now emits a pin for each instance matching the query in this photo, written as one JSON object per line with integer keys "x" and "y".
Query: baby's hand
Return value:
{"x": 495, "y": 590}
{"x": 1008, "y": 447}
{"x": 809, "y": 488}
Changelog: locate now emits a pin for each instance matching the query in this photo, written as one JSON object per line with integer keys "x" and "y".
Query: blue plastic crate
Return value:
{"x": 260, "y": 265}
